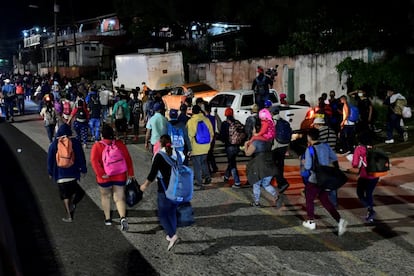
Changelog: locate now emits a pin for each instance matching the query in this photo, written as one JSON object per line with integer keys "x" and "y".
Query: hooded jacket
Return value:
{"x": 77, "y": 168}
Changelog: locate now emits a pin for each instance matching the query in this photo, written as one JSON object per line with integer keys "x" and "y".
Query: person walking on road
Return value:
{"x": 365, "y": 184}
{"x": 199, "y": 151}
{"x": 111, "y": 185}
{"x": 325, "y": 156}
{"x": 261, "y": 169}
{"x": 67, "y": 178}
{"x": 156, "y": 127}
{"x": 232, "y": 150}
{"x": 167, "y": 210}
{"x": 48, "y": 113}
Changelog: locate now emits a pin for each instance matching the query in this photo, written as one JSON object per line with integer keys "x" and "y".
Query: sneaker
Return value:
{"x": 342, "y": 227}
{"x": 173, "y": 241}
{"x": 283, "y": 188}
{"x": 236, "y": 186}
{"x": 310, "y": 224}
{"x": 225, "y": 179}
{"x": 370, "y": 216}
{"x": 207, "y": 180}
{"x": 389, "y": 141}
{"x": 124, "y": 224}
{"x": 256, "y": 204}
{"x": 405, "y": 136}
{"x": 67, "y": 219}
{"x": 108, "y": 222}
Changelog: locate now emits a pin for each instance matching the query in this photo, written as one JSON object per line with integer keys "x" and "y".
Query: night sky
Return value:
{"x": 18, "y": 15}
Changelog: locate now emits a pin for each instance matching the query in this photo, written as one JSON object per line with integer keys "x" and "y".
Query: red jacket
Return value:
{"x": 97, "y": 163}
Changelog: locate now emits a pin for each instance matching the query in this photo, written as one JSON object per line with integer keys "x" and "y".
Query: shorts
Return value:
{"x": 121, "y": 125}
{"x": 67, "y": 189}
{"x": 112, "y": 183}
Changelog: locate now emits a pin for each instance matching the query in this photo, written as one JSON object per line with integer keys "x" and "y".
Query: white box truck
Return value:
{"x": 159, "y": 70}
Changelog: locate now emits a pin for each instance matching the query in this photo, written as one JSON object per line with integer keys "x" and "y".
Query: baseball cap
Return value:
{"x": 156, "y": 107}
{"x": 173, "y": 114}
{"x": 228, "y": 112}
{"x": 268, "y": 103}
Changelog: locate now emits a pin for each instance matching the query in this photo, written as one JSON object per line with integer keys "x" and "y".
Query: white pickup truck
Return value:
{"x": 241, "y": 102}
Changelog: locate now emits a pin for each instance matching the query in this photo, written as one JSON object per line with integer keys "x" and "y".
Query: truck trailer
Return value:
{"x": 159, "y": 70}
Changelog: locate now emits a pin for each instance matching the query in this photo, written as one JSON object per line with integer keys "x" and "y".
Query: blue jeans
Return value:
{"x": 232, "y": 152}
{"x": 104, "y": 112}
{"x": 167, "y": 213}
{"x": 266, "y": 184}
{"x": 365, "y": 190}
{"x": 200, "y": 167}
{"x": 50, "y": 130}
{"x": 393, "y": 122}
{"x": 95, "y": 126}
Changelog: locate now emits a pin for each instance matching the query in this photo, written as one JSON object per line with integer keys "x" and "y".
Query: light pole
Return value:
{"x": 55, "y": 57}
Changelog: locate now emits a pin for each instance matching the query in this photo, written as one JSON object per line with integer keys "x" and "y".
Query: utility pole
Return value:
{"x": 55, "y": 57}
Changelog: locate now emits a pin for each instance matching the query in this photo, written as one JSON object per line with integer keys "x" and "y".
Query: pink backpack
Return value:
{"x": 113, "y": 159}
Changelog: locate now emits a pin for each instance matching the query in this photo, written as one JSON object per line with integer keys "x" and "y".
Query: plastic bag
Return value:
{"x": 133, "y": 193}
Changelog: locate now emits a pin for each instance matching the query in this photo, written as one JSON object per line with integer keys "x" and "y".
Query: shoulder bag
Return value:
{"x": 327, "y": 177}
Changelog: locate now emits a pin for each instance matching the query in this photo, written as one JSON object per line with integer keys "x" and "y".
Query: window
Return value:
{"x": 247, "y": 101}
{"x": 222, "y": 101}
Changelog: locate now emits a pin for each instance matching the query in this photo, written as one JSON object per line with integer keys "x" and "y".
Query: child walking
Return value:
{"x": 365, "y": 184}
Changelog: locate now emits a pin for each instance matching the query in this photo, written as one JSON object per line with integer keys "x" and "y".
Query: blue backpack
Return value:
{"x": 177, "y": 136}
{"x": 202, "y": 133}
{"x": 180, "y": 187}
{"x": 353, "y": 113}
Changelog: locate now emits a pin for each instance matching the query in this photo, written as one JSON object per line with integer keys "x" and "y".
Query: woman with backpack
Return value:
{"x": 49, "y": 116}
{"x": 80, "y": 123}
{"x": 112, "y": 179}
{"x": 366, "y": 183}
{"x": 167, "y": 209}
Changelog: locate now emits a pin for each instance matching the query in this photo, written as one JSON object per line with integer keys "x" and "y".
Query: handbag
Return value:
{"x": 133, "y": 193}
{"x": 328, "y": 177}
{"x": 185, "y": 214}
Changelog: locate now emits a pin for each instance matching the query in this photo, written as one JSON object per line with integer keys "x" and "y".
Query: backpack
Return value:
{"x": 237, "y": 134}
{"x": 378, "y": 163}
{"x": 399, "y": 106}
{"x": 353, "y": 113}
{"x": 58, "y": 106}
{"x": 202, "y": 133}
{"x": 180, "y": 187}
{"x": 137, "y": 107}
{"x": 177, "y": 136}
{"x": 113, "y": 159}
{"x": 50, "y": 117}
{"x": 67, "y": 107}
{"x": 120, "y": 112}
{"x": 65, "y": 157}
{"x": 283, "y": 131}
{"x": 95, "y": 106}
{"x": 261, "y": 85}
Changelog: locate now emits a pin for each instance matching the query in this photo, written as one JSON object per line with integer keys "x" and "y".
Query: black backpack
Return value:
{"x": 80, "y": 113}
{"x": 283, "y": 131}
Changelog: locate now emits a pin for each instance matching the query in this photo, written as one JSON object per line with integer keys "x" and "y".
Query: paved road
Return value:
{"x": 229, "y": 237}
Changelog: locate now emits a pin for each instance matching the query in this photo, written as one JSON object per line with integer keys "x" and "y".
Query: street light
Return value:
{"x": 55, "y": 11}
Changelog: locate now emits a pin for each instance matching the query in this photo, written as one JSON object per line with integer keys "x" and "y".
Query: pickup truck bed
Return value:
{"x": 241, "y": 102}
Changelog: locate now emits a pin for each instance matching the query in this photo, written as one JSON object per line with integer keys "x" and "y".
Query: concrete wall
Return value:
{"x": 313, "y": 74}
